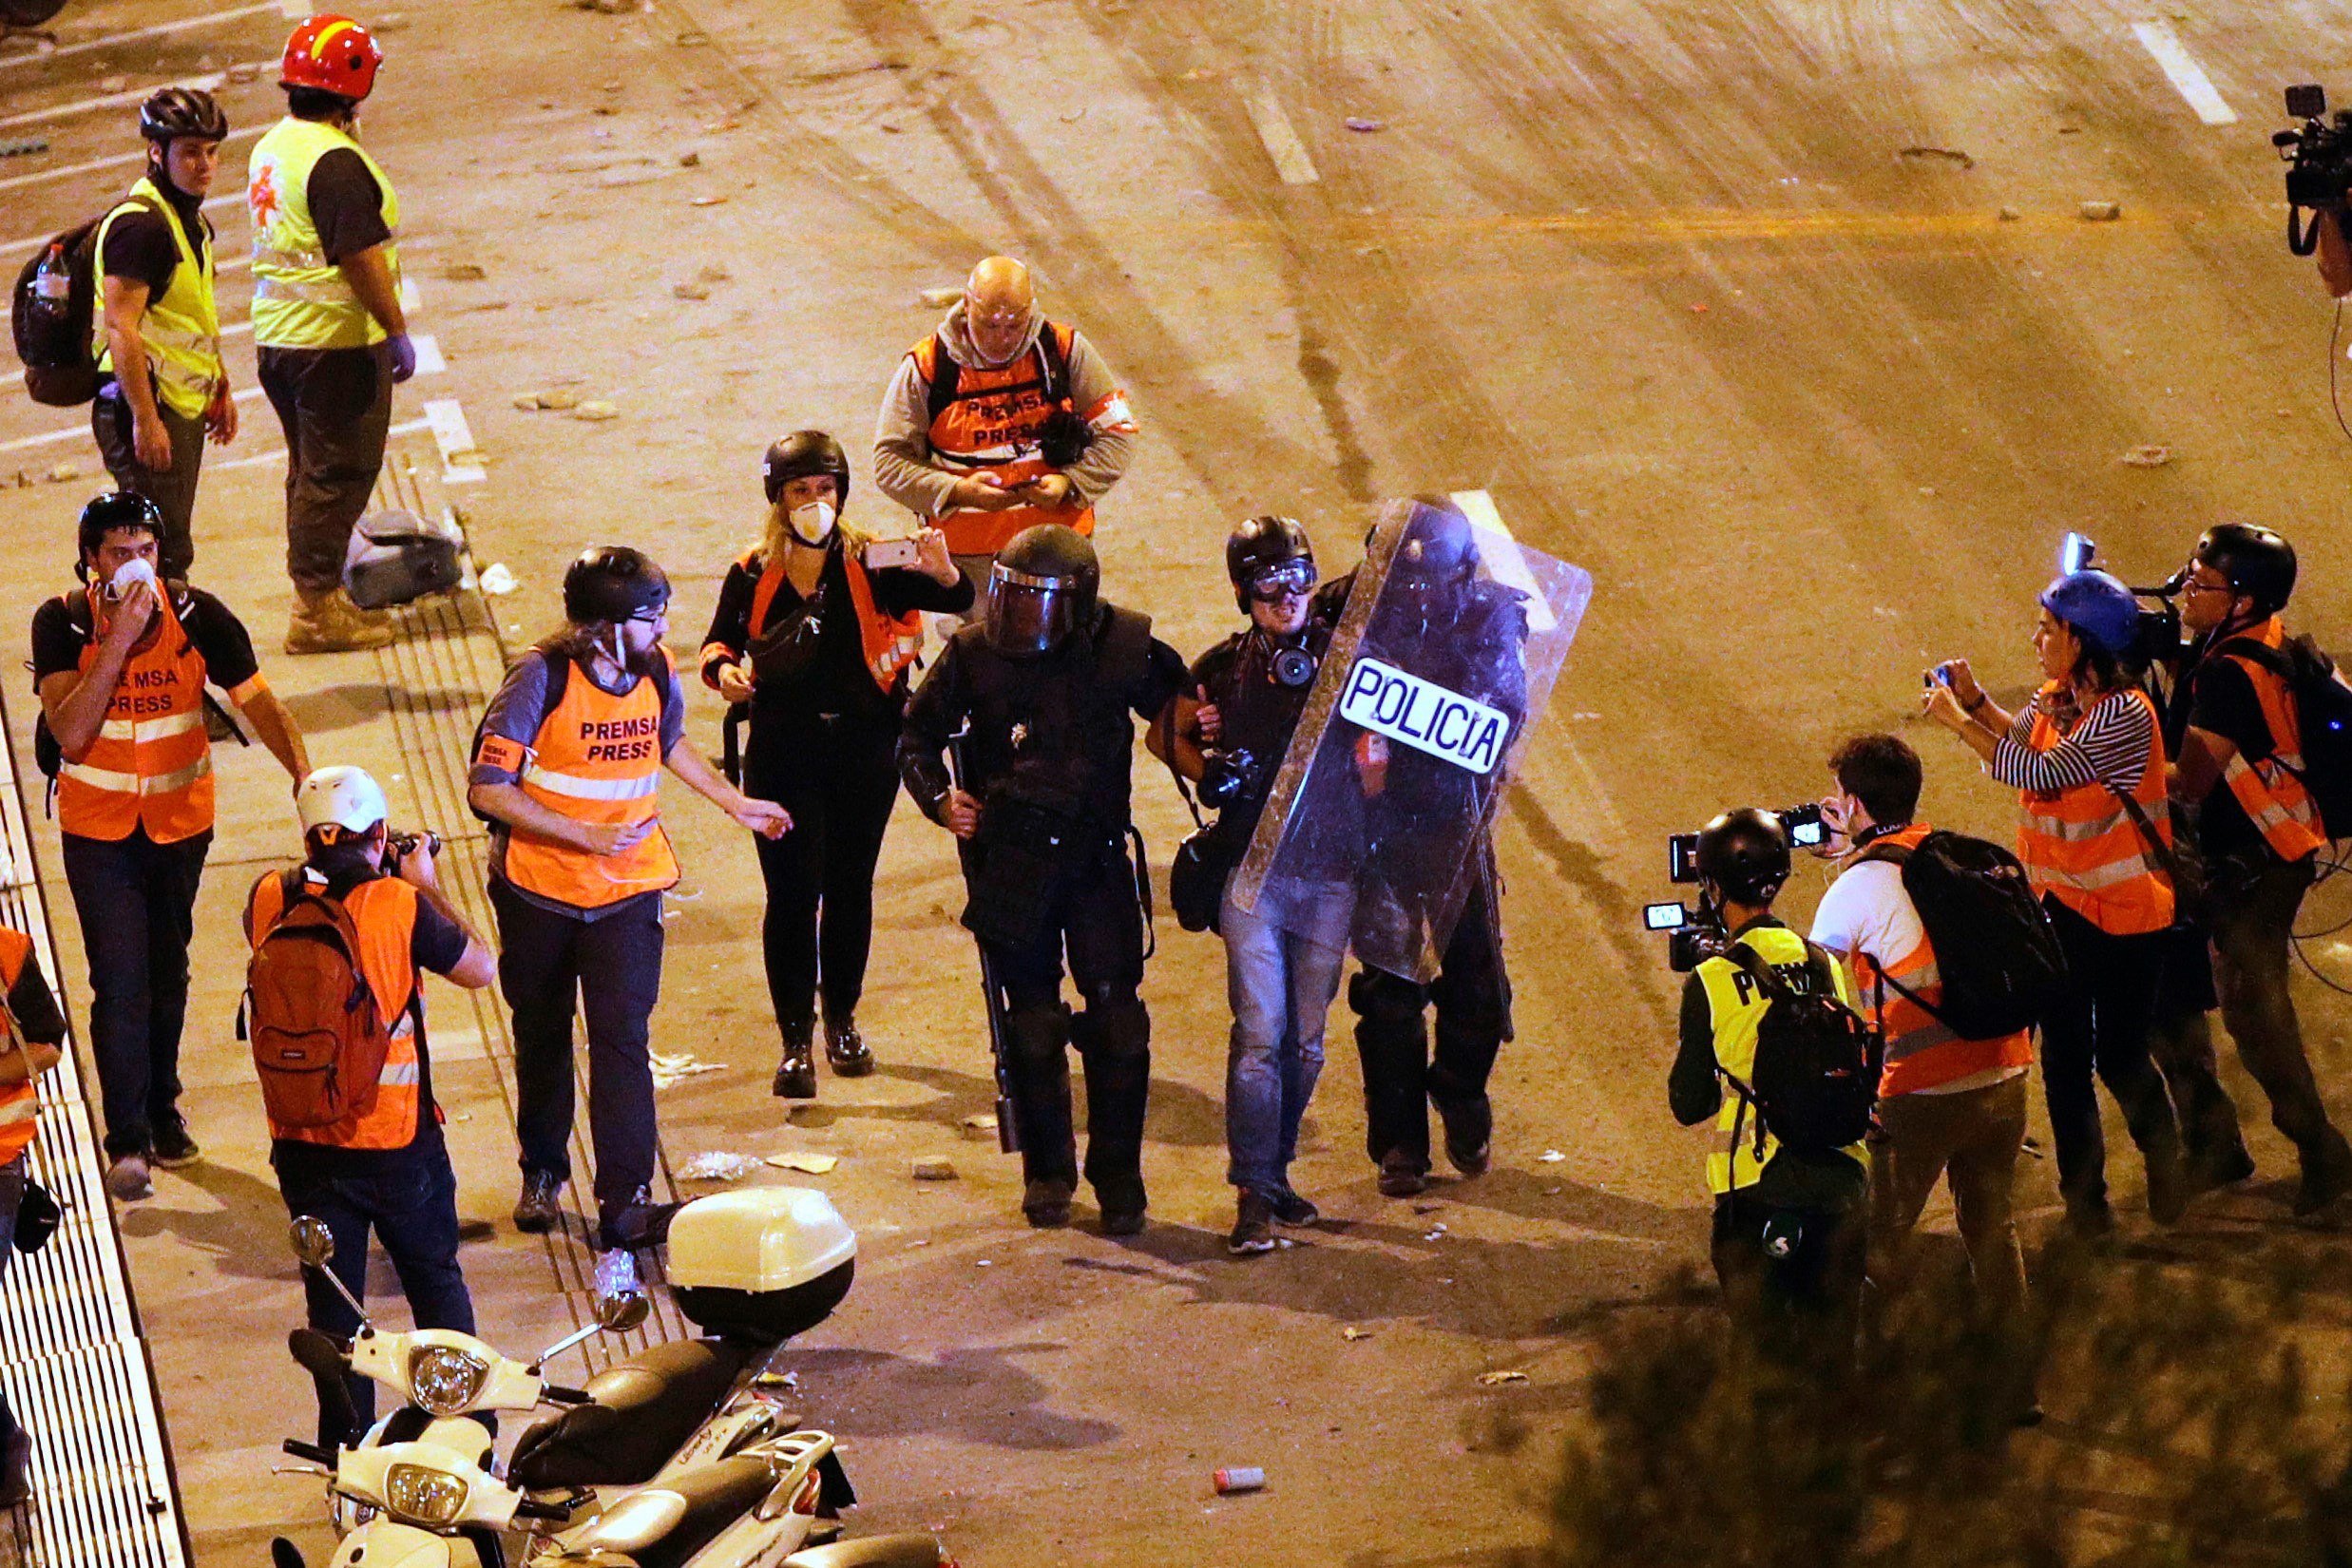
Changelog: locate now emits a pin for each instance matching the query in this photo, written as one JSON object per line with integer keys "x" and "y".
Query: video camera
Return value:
{"x": 1696, "y": 936}
{"x": 2158, "y": 638}
{"x": 2319, "y": 162}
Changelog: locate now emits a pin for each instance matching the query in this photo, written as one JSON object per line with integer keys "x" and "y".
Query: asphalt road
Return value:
{"x": 1778, "y": 316}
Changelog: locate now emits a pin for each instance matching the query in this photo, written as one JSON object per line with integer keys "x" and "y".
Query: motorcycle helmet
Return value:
{"x": 1041, "y": 589}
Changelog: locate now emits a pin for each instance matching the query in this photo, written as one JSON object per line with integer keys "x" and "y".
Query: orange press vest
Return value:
{"x": 2271, "y": 792}
{"x": 384, "y": 911}
{"x": 990, "y": 426}
{"x": 1921, "y": 1052}
{"x": 151, "y": 765}
{"x": 597, "y": 758}
{"x": 2082, "y": 847}
{"x": 889, "y": 642}
{"x": 19, "y": 1102}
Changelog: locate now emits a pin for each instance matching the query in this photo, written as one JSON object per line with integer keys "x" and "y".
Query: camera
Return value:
{"x": 398, "y": 847}
{"x": 1691, "y": 940}
{"x": 1292, "y": 667}
{"x": 2158, "y": 638}
{"x": 1063, "y": 438}
{"x": 1226, "y": 776}
{"x": 2319, "y": 161}
{"x": 1801, "y": 824}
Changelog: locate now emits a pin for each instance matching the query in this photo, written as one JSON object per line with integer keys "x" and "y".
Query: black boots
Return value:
{"x": 795, "y": 1075}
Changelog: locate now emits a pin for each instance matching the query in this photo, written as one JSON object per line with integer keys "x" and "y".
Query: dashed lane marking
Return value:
{"x": 113, "y": 160}
{"x": 116, "y": 40}
{"x": 428, "y": 360}
{"x": 2181, "y": 68}
{"x": 118, "y": 100}
{"x": 412, "y": 297}
{"x": 25, "y": 442}
{"x": 1282, "y": 143}
{"x": 460, "y": 460}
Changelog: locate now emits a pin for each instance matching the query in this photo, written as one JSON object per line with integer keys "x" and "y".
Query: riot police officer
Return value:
{"x": 1439, "y": 619}
{"x": 1039, "y": 698}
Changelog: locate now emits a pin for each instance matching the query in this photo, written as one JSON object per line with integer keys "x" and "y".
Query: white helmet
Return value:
{"x": 342, "y": 797}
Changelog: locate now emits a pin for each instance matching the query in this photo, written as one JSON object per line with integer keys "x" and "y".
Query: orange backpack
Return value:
{"x": 318, "y": 1041}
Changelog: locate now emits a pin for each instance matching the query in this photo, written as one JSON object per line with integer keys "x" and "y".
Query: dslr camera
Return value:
{"x": 2319, "y": 162}
{"x": 2158, "y": 638}
{"x": 398, "y": 847}
{"x": 1695, "y": 937}
{"x": 1226, "y": 775}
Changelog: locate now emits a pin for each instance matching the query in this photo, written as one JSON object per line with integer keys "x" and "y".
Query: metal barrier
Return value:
{"x": 71, "y": 1355}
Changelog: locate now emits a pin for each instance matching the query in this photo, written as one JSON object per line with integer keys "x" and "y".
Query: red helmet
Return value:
{"x": 334, "y": 55}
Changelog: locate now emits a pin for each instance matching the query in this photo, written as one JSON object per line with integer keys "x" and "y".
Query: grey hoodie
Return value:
{"x": 903, "y": 466}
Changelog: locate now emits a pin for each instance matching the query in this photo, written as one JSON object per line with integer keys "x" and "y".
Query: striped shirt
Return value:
{"x": 2109, "y": 744}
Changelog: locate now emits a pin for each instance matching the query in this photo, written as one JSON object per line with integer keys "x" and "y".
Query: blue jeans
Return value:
{"x": 412, "y": 1209}
{"x": 1282, "y": 967}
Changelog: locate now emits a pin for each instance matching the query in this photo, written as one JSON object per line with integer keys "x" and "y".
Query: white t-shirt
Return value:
{"x": 1865, "y": 910}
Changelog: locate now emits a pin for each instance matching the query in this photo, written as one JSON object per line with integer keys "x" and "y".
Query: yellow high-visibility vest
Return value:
{"x": 1736, "y": 1006}
{"x": 300, "y": 299}
{"x": 182, "y": 327}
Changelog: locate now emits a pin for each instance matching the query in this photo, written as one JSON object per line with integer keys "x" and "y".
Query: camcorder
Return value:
{"x": 2157, "y": 640}
{"x": 2319, "y": 162}
{"x": 1695, "y": 936}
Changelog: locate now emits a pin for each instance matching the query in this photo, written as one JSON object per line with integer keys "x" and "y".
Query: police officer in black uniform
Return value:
{"x": 1440, "y": 621}
{"x": 1040, "y": 697}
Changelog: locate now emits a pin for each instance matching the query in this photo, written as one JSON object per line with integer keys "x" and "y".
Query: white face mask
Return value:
{"x": 812, "y": 523}
{"x": 130, "y": 573}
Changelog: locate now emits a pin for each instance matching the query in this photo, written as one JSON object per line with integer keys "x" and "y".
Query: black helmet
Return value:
{"x": 1744, "y": 854}
{"x": 2253, "y": 561}
{"x": 613, "y": 583}
{"x": 117, "y": 509}
{"x": 1438, "y": 551}
{"x": 1269, "y": 551}
{"x": 802, "y": 453}
{"x": 170, "y": 113}
{"x": 1040, "y": 590}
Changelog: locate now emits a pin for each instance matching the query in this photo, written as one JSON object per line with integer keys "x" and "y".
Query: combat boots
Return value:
{"x": 795, "y": 1075}
{"x": 329, "y": 622}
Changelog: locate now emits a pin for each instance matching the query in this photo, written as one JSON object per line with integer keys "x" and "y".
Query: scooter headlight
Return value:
{"x": 419, "y": 1495}
{"x": 445, "y": 1381}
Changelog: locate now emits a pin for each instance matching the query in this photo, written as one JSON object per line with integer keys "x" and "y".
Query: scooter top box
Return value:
{"x": 764, "y": 1262}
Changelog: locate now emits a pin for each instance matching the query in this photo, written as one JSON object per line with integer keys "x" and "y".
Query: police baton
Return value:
{"x": 1007, "y": 1125}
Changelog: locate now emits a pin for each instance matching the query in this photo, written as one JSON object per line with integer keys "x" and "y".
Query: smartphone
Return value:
{"x": 883, "y": 554}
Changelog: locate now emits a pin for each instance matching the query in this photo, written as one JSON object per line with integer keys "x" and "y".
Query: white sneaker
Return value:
{"x": 128, "y": 1179}
{"x": 615, "y": 1274}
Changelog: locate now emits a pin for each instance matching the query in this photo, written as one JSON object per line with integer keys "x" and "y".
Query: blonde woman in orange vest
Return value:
{"x": 122, "y": 664}
{"x": 1001, "y": 420}
{"x": 2096, "y": 836}
{"x": 386, "y": 1172}
{"x": 2240, "y": 742}
{"x": 813, "y": 645}
{"x": 32, "y": 1035}
{"x": 566, "y": 766}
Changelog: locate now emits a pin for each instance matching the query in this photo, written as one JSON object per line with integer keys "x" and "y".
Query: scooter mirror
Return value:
{"x": 312, "y": 1241}
{"x": 624, "y": 1313}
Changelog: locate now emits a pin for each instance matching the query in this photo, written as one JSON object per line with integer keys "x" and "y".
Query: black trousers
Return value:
{"x": 411, "y": 1206}
{"x": 550, "y": 966}
{"x": 334, "y": 406}
{"x": 2101, "y": 1025}
{"x": 136, "y": 902}
{"x": 1094, "y": 919}
{"x": 172, "y": 489}
{"x": 1403, "y": 1077}
{"x": 1792, "y": 1277}
{"x": 839, "y": 780}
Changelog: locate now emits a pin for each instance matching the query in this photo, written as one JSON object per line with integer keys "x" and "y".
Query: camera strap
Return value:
{"x": 1166, "y": 722}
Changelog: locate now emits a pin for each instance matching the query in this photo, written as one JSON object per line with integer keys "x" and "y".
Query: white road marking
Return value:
{"x": 24, "y": 443}
{"x": 412, "y": 297}
{"x": 118, "y": 100}
{"x": 407, "y": 426}
{"x": 113, "y": 160}
{"x": 455, "y": 439}
{"x": 1282, "y": 143}
{"x": 428, "y": 360}
{"x": 159, "y": 29}
{"x": 235, "y": 329}
{"x": 1503, "y": 556}
{"x": 2181, "y": 67}
{"x": 33, "y": 242}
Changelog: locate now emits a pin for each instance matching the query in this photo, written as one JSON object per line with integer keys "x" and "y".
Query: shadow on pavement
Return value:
{"x": 977, "y": 1395}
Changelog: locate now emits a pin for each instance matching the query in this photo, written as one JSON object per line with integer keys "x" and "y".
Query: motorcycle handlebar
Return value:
{"x": 311, "y": 1452}
{"x": 556, "y": 1394}
{"x": 531, "y": 1508}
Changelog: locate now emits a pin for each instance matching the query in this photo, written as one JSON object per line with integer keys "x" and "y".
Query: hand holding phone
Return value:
{"x": 888, "y": 554}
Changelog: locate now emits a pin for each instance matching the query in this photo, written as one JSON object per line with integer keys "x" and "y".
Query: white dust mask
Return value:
{"x": 130, "y": 573}
{"x": 812, "y": 523}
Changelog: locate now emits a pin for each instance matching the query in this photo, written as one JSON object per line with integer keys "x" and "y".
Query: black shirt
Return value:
{"x": 346, "y": 205}
{"x": 437, "y": 944}
{"x": 2217, "y": 696}
{"x": 1258, "y": 715}
{"x": 61, "y": 630}
{"x": 141, "y": 249}
{"x": 837, "y": 683}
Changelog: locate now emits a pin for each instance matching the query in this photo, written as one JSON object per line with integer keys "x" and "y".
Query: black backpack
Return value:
{"x": 2323, "y": 712}
{"x": 1815, "y": 1079}
{"x": 55, "y": 338}
{"x": 1999, "y": 959}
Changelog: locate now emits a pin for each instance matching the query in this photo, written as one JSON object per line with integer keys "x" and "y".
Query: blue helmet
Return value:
{"x": 2099, "y": 608}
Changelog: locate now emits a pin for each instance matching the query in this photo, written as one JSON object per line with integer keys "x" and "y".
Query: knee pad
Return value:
{"x": 1377, "y": 996}
{"x": 1113, "y": 1030}
{"x": 1035, "y": 1036}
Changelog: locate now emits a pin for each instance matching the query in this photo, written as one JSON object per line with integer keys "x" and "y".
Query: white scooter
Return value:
{"x": 418, "y": 1504}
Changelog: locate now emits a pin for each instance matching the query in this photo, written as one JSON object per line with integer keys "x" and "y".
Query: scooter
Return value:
{"x": 420, "y": 1505}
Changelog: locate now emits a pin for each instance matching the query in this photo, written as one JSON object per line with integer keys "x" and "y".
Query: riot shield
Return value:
{"x": 1441, "y": 663}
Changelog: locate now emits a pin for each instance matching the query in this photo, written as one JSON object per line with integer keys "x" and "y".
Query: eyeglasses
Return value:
{"x": 2192, "y": 585}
